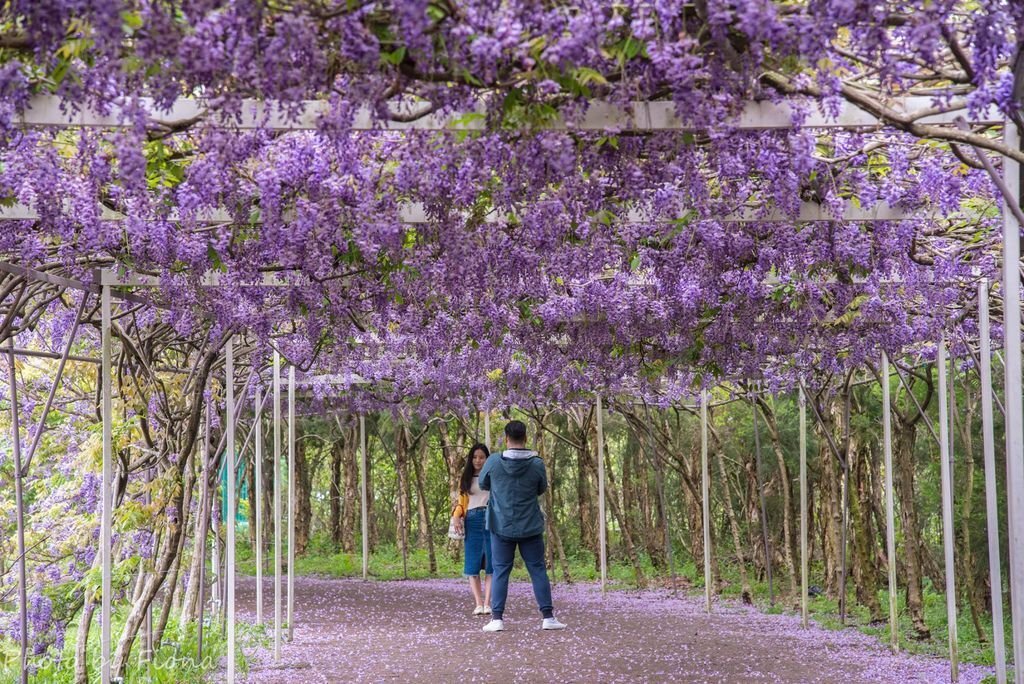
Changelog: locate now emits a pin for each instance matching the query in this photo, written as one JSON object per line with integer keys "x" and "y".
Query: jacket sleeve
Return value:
{"x": 542, "y": 479}
{"x": 484, "y": 480}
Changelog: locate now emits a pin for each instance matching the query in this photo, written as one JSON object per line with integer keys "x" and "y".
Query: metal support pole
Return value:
{"x": 204, "y": 509}
{"x": 487, "y": 429}
{"x": 146, "y": 653}
{"x": 803, "y": 507}
{"x": 1014, "y": 400}
{"x": 252, "y": 428}
{"x": 277, "y": 506}
{"x": 40, "y": 427}
{"x": 602, "y": 532}
{"x": 291, "y": 502}
{"x": 107, "y": 412}
{"x": 890, "y": 518}
{"x": 991, "y": 492}
{"x": 217, "y": 581}
{"x": 20, "y": 515}
{"x": 947, "y": 509}
{"x": 844, "y": 543}
{"x": 764, "y": 508}
{"x": 229, "y": 522}
{"x": 705, "y": 495}
{"x": 364, "y": 519}
{"x": 258, "y": 503}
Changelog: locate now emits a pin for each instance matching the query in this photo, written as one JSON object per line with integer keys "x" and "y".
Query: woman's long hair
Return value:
{"x": 466, "y": 481}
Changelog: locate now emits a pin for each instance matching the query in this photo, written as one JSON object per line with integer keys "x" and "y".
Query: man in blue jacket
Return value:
{"x": 515, "y": 478}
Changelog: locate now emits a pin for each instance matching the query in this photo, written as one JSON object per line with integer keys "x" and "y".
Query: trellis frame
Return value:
{"x": 645, "y": 116}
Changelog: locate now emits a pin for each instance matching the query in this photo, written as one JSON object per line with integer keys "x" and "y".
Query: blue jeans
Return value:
{"x": 478, "y": 544}
{"x": 503, "y": 552}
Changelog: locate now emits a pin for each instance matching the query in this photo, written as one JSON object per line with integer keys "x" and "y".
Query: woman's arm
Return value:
{"x": 460, "y": 508}
{"x": 459, "y": 513}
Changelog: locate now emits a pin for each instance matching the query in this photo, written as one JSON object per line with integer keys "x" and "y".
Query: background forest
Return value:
{"x": 653, "y": 460}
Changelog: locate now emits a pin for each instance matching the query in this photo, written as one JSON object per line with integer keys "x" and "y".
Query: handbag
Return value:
{"x": 454, "y": 532}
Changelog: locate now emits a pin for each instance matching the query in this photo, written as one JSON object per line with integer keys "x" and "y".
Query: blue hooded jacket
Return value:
{"x": 515, "y": 478}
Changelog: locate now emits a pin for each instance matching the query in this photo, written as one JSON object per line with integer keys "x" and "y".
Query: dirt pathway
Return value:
{"x": 422, "y": 631}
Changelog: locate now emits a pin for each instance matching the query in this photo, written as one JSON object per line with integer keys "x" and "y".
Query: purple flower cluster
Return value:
{"x": 550, "y": 261}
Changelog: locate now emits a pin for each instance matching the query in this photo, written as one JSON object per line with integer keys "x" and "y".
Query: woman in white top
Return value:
{"x": 470, "y": 517}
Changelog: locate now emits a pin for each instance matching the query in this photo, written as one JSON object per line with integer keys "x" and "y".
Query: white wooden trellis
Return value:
{"x": 415, "y": 213}
{"x": 658, "y": 115}
{"x": 47, "y": 111}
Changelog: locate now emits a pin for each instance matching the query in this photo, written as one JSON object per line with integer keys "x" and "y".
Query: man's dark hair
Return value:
{"x": 515, "y": 430}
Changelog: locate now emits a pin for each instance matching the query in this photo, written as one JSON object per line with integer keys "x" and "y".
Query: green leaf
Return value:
{"x": 436, "y": 13}
{"x": 131, "y": 20}
{"x": 586, "y": 76}
{"x": 467, "y": 120}
{"x": 632, "y": 47}
{"x": 214, "y": 256}
{"x": 394, "y": 57}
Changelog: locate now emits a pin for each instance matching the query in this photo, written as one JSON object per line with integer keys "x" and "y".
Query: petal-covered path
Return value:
{"x": 423, "y": 631}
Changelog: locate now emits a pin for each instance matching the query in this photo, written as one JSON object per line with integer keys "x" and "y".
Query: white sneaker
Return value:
{"x": 479, "y": 610}
{"x": 486, "y": 610}
{"x": 552, "y": 623}
{"x": 496, "y": 626}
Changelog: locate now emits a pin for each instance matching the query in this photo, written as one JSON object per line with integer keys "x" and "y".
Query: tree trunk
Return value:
{"x": 652, "y": 511}
{"x": 553, "y": 533}
{"x": 830, "y": 501}
{"x": 734, "y": 525}
{"x": 454, "y": 464}
{"x": 188, "y": 611}
{"x": 303, "y": 498}
{"x": 371, "y": 499}
{"x": 585, "y": 497}
{"x": 788, "y": 509}
{"x": 149, "y": 592}
{"x": 970, "y": 583}
{"x": 82, "y": 638}
{"x": 903, "y": 454}
{"x": 904, "y": 467}
{"x": 865, "y": 569}
{"x": 554, "y": 546}
{"x": 171, "y": 589}
{"x": 402, "y": 498}
{"x": 636, "y": 501}
{"x": 334, "y": 496}
{"x": 352, "y": 498}
{"x": 425, "y": 536}
{"x": 85, "y": 624}
{"x": 694, "y": 506}
{"x": 172, "y": 583}
{"x": 612, "y": 495}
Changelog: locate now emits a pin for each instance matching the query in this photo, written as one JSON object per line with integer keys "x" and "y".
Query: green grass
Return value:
{"x": 825, "y": 611}
{"x": 386, "y": 564}
{"x": 175, "y": 661}
{"x": 970, "y": 648}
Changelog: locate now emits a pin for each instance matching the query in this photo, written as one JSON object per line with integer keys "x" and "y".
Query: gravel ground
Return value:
{"x": 423, "y": 631}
